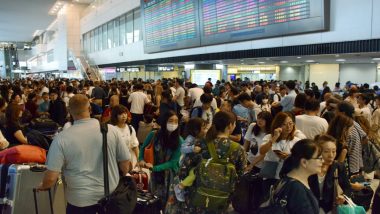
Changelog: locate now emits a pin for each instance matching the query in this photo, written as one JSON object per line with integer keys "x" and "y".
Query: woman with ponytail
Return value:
{"x": 223, "y": 125}
{"x": 305, "y": 160}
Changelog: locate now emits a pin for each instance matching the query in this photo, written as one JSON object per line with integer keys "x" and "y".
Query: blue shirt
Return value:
{"x": 287, "y": 102}
{"x": 43, "y": 107}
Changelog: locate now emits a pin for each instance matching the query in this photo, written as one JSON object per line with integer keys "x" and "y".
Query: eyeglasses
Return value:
{"x": 318, "y": 158}
{"x": 288, "y": 124}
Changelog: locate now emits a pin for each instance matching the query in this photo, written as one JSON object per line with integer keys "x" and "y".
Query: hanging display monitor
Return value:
{"x": 170, "y": 24}
{"x": 179, "y": 24}
{"x": 235, "y": 20}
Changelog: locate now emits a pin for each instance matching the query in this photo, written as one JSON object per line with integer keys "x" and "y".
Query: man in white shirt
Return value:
{"x": 138, "y": 99}
{"x": 180, "y": 93}
{"x": 310, "y": 123}
{"x": 287, "y": 102}
{"x": 195, "y": 92}
{"x": 76, "y": 153}
{"x": 207, "y": 90}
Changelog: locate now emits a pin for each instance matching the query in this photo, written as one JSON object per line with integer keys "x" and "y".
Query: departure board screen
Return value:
{"x": 235, "y": 20}
{"x": 170, "y": 24}
{"x": 179, "y": 24}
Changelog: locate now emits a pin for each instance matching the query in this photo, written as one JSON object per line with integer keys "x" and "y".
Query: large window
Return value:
{"x": 96, "y": 40}
{"x": 110, "y": 34}
{"x": 137, "y": 26}
{"x": 116, "y": 33}
{"x": 122, "y": 31}
{"x": 129, "y": 27}
{"x": 100, "y": 38}
{"x": 105, "y": 37}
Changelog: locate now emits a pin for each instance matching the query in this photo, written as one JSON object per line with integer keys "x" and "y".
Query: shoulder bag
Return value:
{"x": 123, "y": 200}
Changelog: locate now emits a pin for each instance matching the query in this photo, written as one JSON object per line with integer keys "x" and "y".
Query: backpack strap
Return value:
{"x": 212, "y": 151}
{"x": 199, "y": 111}
{"x": 130, "y": 130}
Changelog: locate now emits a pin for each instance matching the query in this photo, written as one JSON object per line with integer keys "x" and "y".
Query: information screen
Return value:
{"x": 235, "y": 20}
{"x": 178, "y": 24}
{"x": 170, "y": 24}
{"x": 200, "y": 77}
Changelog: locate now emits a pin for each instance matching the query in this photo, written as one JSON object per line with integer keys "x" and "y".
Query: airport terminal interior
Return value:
{"x": 207, "y": 106}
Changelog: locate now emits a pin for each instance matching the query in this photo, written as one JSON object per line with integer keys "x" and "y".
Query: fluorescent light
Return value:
{"x": 340, "y": 60}
{"x": 376, "y": 59}
{"x": 298, "y": 57}
{"x": 261, "y": 62}
{"x": 310, "y": 60}
{"x": 284, "y": 61}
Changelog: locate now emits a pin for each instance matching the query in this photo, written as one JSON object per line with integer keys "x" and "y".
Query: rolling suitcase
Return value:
{"x": 36, "y": 201}
{"x": 141, "y": 179}
{"x": 147, "y": 203}
{"x": 21, "y": 181}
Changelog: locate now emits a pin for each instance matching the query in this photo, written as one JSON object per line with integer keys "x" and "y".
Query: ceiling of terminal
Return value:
{"x": 19, "y": 19}
{"x": 301, "y": 60}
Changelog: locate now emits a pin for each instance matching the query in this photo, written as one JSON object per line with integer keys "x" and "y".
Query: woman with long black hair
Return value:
{"x": 167, "y": 152}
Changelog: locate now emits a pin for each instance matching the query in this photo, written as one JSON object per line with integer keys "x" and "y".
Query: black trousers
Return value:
{"x": 136, "y": 118}
{"x": 71, "y": 209}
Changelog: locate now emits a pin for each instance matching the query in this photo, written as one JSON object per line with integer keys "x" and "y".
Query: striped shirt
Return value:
{"x": 355, "y": 158}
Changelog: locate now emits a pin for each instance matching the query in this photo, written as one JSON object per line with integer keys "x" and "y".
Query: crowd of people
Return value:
{"x": 286, "y": 131}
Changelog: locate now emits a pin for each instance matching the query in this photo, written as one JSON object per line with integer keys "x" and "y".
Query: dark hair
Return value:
{"x": 220, "y": 122}
{"x": 169, "y": 140}
{"x": 206, "y": 98}
{"x": 138, "y": 86}
{"x": 167, "y": 95}
{"x": 116, "y": 111}
{"x": 309, "y": 93}
{"x": 12, "y": 114}
{"x": 267, "y": 116}
{"x": 207, "y": 90}
{"x": 365, "y": 97}
{"x": 303, "y": 149}
{"x": 300, "y": 100}
{"x": 290, "y": 84}
{"x": 194, "y": 126}
{"x": 31, "y": 96}
{"x": 244, "y": 97}
{"x": 339, "y": 128}
{"x": 234, "y": 91}
{"x": 148, "y": 118}
{"x": 312, "y": 105}
{"x": 2, "y": 102}
{"x": 180, "y": 82}
{"x": 346, "y": 108}
{"x": 278, "y": 121}
{"x": 321, "y": 139}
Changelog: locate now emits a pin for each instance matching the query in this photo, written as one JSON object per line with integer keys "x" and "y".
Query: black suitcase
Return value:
{"x": 147, "y": 203}
{"x": 246, "y": 198}
{"x": 376, "y": 201}
{"x": 44, "y": 125}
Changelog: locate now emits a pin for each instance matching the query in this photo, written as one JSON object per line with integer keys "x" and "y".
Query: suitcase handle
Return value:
{"x": 37, "y": 168}
{"x": 36, "y": 204}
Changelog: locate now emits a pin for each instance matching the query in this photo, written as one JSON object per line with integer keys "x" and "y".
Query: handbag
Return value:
{"x": 149, "y": 150}
{"x": 269, "y": 169}
{"x": 123, "y": 200}
{"x": 350, "y": 208}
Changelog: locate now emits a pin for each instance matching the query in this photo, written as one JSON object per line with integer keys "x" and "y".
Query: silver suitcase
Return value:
{"x": 20, "y": 197}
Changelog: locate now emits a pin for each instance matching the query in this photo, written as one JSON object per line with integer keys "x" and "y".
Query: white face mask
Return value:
{"x": 171, "y": 127}
{"x": 265, "y": 101}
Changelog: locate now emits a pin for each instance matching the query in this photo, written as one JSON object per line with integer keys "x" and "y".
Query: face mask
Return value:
{"x": 265, "y": 101}
{"x": 171, "y": 127}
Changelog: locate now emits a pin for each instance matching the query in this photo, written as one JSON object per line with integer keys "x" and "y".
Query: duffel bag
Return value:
{"x": 44, "y": 125}
{"x": 23, "y": 154}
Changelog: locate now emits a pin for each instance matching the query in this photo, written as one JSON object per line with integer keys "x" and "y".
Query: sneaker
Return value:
{"x": 179, "y": 193}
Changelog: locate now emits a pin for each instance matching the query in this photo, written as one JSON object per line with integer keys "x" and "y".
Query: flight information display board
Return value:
{"x": 170, "y": 24}
{"x": 178, "y": 24}
{"x": 235, "y": 20}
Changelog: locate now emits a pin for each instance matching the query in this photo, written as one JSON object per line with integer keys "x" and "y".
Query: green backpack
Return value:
{"x": 215, "y": 180}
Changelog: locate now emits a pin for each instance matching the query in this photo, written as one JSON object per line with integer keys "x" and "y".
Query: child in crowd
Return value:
{"x": 191, "y": 150}
{"x": 145, "y": 127}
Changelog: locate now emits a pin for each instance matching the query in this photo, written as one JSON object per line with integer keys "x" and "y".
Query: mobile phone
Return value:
{"x": 366, "y": 184}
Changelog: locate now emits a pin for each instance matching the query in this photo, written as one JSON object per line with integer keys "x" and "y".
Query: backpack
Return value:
{"x": 371, "y": 157}
{"x": 200, "y": 111}
{"x": 215, "y": 180}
